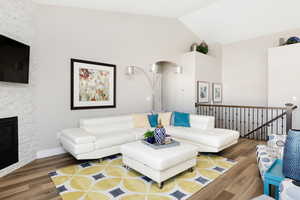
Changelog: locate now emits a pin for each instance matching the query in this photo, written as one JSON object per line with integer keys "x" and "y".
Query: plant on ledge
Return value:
{"x": 149, "y": 136}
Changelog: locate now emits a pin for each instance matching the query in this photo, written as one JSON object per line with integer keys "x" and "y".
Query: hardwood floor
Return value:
{"x": 242, "y": 182}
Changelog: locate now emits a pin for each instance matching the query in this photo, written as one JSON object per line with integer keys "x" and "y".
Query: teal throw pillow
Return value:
{"x": 181, "y": 119}
{"x": 153, "y": 120}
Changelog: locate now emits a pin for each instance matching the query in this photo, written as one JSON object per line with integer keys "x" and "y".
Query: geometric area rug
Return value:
{"x": 110, "y": 180}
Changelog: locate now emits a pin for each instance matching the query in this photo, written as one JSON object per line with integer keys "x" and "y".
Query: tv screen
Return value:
{"x": 14, "y": 61}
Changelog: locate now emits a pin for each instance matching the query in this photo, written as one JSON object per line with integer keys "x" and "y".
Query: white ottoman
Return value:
{"x": 159, "y": 164}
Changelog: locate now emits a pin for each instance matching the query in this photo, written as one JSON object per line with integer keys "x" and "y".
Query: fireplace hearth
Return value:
{"x": 9, "y": 148}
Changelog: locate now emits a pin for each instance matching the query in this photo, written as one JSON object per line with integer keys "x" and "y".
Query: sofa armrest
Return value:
{"x": 77, "y": 136}
{"x": 202, "y": 121}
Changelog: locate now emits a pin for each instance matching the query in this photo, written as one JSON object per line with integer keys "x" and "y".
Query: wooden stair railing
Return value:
{"x": 253, "y": 122}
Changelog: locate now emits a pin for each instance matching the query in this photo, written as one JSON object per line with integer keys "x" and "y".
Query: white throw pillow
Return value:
{"x": 140, "y": 121}
{"x": 165, "y": 118}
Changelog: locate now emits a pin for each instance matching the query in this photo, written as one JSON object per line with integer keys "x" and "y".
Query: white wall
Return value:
{"x": 283, "y": 78}
{"x": 121, "y": 39}
{"x": 196, "y": 67}
{"x": 244, "y": 67}
{"x": 17, "y": 99}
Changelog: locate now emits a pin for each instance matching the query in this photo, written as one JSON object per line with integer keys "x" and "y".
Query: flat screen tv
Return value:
{"x": 14, "y": 61}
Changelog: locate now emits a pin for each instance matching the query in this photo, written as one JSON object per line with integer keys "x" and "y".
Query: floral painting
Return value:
{"x": 92, "y": 85}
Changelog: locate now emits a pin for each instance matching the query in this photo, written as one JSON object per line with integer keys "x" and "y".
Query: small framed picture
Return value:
{"x": 217, "y": 92}
{"x": 202, "y": 92}
{"x": 93, "y": 85}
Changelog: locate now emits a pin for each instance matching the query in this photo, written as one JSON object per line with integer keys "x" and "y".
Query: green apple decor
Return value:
{"x": 149, "y": 136}
{"x": 203, "y": 48}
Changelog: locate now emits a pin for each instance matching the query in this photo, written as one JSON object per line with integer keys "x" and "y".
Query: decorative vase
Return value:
{"x": 151, "y": 140}
{"x": 194, "y": 47}
{"x": 293, "y": 40}
{"x": 160, "y": 134}
{"x": 291, "y": 157}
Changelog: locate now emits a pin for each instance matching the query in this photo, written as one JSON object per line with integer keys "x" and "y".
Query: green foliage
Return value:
{"x": 202, "y": 49}
{"x": 148, "y": 134}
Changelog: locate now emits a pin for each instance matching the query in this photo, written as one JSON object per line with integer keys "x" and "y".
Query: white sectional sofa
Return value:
{"x": 100, "y": 137}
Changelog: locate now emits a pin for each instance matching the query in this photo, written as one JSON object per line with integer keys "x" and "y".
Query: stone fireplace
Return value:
{"x": 9, "y": 147}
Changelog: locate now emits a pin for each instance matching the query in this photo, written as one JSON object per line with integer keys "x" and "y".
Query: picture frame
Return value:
{"x": 203, "y": 90}
{"x": 93, "y": 85}
{"x": 217, "y": 92}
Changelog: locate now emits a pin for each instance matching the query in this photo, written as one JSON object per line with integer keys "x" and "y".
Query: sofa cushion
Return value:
{"x": 211, "y": 137}
{"x": 114, "y": 138}
{"x": 76, "y": 149}
{"x": 181, "y": 119}
{"x": 106, "y": 124}
{"x": 78, "y": 136}
{"x": 140, "y": 121}
{"x": 202, "y": 122}
{"x": 162, "y": 159}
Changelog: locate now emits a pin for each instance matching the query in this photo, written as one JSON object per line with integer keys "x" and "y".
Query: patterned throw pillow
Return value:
{"x": 140, "y": 121}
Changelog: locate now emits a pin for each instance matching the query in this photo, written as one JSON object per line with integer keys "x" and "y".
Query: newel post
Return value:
{"x": 289, "y": 116}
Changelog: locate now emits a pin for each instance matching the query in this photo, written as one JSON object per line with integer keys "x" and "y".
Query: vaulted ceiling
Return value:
{"x": 222, "y": 21}
{"x": 163, "y": 8}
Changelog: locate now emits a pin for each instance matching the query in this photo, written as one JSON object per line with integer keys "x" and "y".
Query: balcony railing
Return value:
{"x": 253, "y": 122}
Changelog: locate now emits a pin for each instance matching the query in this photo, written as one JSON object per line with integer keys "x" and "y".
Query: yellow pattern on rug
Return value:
{"x": 110, "y": 180}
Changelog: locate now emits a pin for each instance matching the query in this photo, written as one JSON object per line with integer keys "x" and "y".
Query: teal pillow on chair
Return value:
{"x": 181, "y": 119}
{"x": 153, "y": 120}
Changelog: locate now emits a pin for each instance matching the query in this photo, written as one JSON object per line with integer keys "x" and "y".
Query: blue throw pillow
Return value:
{"x": 181, "y": 119}
{"x": 153, "y": 120}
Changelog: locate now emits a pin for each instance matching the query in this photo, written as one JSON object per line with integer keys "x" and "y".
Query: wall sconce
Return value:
{"x": 130, "y": 70}
{"x": 179, "y": 70}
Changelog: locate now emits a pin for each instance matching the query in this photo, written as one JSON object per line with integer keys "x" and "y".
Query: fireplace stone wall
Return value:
{"x": 17, "y": 99}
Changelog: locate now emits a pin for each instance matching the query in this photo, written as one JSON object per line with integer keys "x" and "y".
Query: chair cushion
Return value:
{"x": 140, "y": 121}
{"x": 264, "y": 159}
{"x": 211, "y": 137}
{"x": 161, "y": 159}
{"x": 153, "y": 120}
{"x": 114, "y": 138}
{"x": 181, "y": 119}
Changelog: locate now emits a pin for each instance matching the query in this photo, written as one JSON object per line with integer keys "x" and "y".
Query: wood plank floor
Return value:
{"x": 242, "y": 182}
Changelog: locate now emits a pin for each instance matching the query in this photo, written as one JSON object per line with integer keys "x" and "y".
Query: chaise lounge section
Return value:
{"x": 101, "y": 137}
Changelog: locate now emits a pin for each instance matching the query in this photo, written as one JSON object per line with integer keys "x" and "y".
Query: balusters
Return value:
{"x": 252, "y": 122}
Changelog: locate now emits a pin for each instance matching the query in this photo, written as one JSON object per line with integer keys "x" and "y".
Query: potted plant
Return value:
{"x": 149, "y": 136}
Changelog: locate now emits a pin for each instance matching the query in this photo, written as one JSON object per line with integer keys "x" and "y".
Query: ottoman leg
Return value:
{"x": 161, "y": 185}
{"x": 192, "y": 169}
{"x": 126, "y": 167}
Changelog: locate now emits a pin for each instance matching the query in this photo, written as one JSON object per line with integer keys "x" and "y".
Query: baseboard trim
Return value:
{"x": 50, "y": 152}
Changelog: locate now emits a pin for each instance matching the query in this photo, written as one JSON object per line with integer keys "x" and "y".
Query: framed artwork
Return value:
{"x": 93, "y": 85}
{"x": 217, "y": 92}
{"x": 202, "y": 92}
